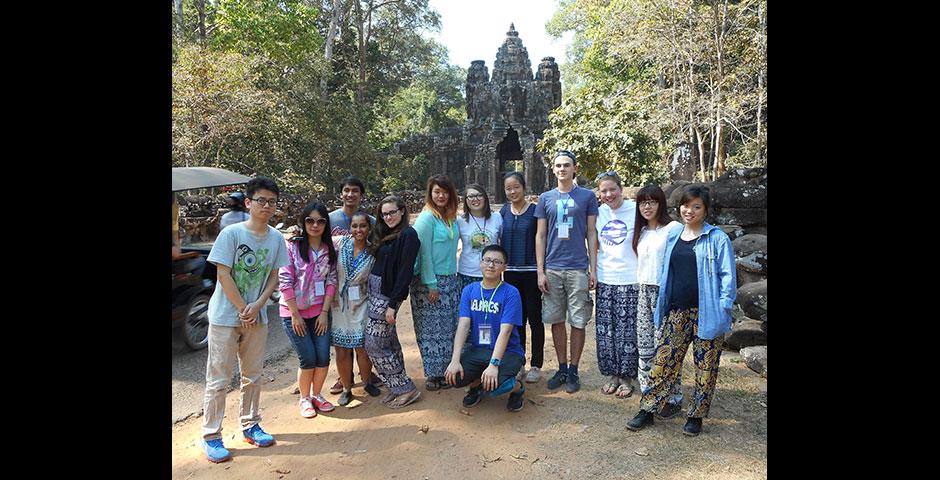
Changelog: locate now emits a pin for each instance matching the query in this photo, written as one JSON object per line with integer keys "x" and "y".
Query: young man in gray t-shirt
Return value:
{"x": 352, "y": 190}
{"x": 247, "y": 256}
{"x": 566, "y": 266}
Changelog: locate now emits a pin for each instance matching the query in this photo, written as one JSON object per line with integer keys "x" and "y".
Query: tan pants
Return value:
{"x": 226, "y": 344}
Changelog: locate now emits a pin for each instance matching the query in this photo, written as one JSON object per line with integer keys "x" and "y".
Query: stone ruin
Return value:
{"x": 506, "y": 116}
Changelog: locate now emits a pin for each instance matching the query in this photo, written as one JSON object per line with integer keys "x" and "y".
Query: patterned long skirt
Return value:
{"x": 381, "y": 342}
{"x": 463, "y": 281}
{"x": 615, "y": 316}
{"x": 647, "y": 339}
{"x": 435, "y": 323}
{"x": 680, "y": 330}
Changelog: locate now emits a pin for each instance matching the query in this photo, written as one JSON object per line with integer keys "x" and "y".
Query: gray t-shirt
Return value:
{"x": 251, "y": 258}
{"x": 339, "y": 222}
{"x": 571, "y": 209}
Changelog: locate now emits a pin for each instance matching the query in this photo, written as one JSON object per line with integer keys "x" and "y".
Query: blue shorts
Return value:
{"x": 313, "y": 350}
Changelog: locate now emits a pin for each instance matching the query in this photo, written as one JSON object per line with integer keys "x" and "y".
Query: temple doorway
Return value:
{"x": 508, "y": 159}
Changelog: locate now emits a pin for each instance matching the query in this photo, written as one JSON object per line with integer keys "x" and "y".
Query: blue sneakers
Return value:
{"x": 256, "y": 436}
{"x": 215, "y": 450}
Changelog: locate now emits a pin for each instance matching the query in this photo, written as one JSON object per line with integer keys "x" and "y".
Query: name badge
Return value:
{"x": 319, "y": 288}
{"x": 354, "y": 292}
{"x": 563, "y": 231}
{"x": 486, "y": 335}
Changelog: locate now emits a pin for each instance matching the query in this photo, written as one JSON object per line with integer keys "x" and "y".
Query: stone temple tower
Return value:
{"x": 506, "y": 115}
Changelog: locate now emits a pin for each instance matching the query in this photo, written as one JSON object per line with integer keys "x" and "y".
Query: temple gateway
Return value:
{"x": 506, "y": 115}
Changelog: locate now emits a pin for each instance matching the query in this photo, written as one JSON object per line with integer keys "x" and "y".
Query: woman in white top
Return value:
{"x": 617, "y": 289}
{"x": 478, "y": 228}
{"x": 649, "y": 243}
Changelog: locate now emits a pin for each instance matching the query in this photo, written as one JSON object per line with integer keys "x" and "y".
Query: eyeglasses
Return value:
{"x": 607, "y": 174}
{"x": 492, "y": 262}
{"x": 318, "y": 221}
{"x": 475, "y": 196}
{"x": 390, "y": 213}
{"x": 271, "y": 202}
{"x": 648, "y": 203}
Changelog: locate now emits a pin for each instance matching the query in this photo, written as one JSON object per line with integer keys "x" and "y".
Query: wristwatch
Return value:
{"x": 494, "y": 361}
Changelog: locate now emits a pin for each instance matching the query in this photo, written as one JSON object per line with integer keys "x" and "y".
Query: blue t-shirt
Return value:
{"x": 572, "y": 209}
{"x": 505, "y": 307}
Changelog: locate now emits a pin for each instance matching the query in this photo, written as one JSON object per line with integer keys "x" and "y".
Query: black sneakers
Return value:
{"x": 572, "y": 383}
{"x": 372, "y": 390}
{"x": 515, "y": 400}
{"x": 473, "y": 397}
{"x": 642, "y": 419}
{"x": 693, "y": 426}
{"x": 557, "y": 380}
{"x": 669, "y": 411}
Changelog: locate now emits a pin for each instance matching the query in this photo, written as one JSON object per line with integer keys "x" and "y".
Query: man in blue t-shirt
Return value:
{"x": 567, "y": 269}
{"x": 490, "y": 311}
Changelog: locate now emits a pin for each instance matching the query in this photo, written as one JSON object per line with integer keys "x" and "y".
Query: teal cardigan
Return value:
{"x": 438, "y": 253}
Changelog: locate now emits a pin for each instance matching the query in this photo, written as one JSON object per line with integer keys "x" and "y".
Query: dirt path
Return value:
{"x": 556, "y": 435}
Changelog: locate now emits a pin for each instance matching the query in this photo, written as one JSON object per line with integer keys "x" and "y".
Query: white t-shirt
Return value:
{"x": 616, "y": 261}
{"x": 474, "y": 236}
{"x": 651, "y": 249}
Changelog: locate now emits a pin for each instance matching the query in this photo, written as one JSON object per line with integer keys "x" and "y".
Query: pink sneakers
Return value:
{"x": 322, "y": 404}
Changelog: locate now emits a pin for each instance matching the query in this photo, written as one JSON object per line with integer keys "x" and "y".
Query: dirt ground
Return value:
{"x": 556, "y": 435}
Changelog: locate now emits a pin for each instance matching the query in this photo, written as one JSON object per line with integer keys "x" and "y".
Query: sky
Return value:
{"x": 475, "y": 29}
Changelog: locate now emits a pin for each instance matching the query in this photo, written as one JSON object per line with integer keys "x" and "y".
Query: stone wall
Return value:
{"x": 200, "y": 214}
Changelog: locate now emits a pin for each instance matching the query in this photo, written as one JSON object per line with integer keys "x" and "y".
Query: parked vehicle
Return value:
{"x": 193, "y": 278}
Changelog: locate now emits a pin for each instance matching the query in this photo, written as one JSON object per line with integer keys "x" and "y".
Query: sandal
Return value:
{"x": 624, "y": 387}
{"x": 404, "y": 399}
{"x": 388, "y": 398}
{"x": 432, "y": 384}
{"x": 443, "y": 383}
{"x": 610, "y": 387}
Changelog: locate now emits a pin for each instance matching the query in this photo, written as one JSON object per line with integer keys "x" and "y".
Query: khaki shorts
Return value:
{"x": 568, "y": 291}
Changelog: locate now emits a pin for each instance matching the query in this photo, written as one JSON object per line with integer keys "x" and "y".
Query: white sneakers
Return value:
{"x": 306, "y": 408}
{"x": 535, "y": 374}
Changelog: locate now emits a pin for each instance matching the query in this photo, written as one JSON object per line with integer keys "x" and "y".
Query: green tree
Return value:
{"x": 686, "y": 70}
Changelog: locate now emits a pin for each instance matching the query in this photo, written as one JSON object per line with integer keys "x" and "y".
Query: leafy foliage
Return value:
{"x": 652, "y": 74}
{"x": 247, "y": 88}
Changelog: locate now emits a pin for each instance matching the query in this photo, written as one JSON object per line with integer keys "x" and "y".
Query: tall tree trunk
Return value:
{"x": 178, "y": 4}
{"x": 361, "y": 37}
{"x": 700, "y": 141}
{"x": 339, "y": 9}
{"x": 201, "y": 8}
{"x": 762, "y": 59}
{"x": 719, "y": 151}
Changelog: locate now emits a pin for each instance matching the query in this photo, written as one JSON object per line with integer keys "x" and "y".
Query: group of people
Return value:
{"x": 660, "y": 286}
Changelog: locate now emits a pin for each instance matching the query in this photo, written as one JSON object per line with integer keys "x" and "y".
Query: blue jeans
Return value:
{"x": 313, "y": 350}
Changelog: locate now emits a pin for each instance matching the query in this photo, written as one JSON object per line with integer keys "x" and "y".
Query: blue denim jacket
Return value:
{"x": 717, "y": 283}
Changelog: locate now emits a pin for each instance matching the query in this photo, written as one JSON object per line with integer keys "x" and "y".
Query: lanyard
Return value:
{"x": 486, "y": 306}
{"x": 478, "y": 223}
{"x": 564, "y": 205}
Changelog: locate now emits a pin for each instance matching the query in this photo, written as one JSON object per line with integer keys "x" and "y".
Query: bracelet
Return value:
{"x": 495, "y": 362}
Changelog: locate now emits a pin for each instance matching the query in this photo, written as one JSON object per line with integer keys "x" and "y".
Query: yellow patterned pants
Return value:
{"x": 678, "y": 331}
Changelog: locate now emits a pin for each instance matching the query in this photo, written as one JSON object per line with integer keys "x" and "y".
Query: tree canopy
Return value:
{"x": 645, "y": 76}
{"x": 307, "y": 91}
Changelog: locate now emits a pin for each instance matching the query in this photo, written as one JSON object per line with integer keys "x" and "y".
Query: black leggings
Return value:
{"x": 527, "y": 284}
